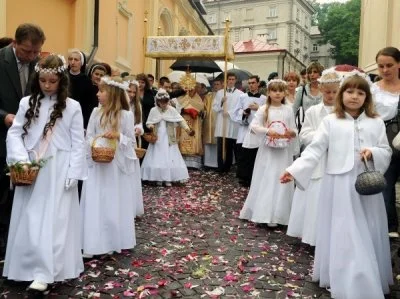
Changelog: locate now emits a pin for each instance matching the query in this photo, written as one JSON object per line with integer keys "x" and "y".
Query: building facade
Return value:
{"x": 379, "y": 28}
{"x": 121, "y": 27}
{"x": 318, "y": 51}
{"x": 283, "y": 23}
{"x": 261, "y": 58}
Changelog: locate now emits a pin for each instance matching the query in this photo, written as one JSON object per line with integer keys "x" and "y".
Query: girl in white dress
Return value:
{"x": 136, "y": 108}
{"x": 268, "y": 201}
{"x": 352, "y": 254}
{"x": 303, "y": 217}
{"x": 44, "y": 243}
{"x": 107, "y": 202}
{"x": 163, "y": 161}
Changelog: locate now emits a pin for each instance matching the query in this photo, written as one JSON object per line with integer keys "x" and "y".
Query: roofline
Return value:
{"x": 265, "y": 51}
{"x": 193, "y": 4}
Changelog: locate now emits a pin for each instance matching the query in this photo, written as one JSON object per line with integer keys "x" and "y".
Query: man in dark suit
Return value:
{"x": 17, "y": 62}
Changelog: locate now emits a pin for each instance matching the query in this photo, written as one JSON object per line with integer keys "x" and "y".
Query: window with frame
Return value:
{"x": 298, "y": 14}
{"x": 249, "y": 14}
{"x": 315, "y": 47}
{"x": 271, "y": 34}
{"x": 272, "y": 12}
{"x": 297, "y": 35}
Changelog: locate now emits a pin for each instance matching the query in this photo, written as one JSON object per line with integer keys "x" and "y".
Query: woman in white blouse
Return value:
{"x": 386, "y": 93}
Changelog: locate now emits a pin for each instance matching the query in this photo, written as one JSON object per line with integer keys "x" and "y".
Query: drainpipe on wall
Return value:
{"x": 95, "y": 45}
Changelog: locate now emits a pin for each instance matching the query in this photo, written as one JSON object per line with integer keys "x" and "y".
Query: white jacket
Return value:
{"x": 337, "y": 136}
{"x": 68, "y": 134}
{"x": 313, "y": 118}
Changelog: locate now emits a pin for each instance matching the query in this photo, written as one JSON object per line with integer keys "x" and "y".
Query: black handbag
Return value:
{"x": 392, "y": 129}
{"x": 370, "y": 181}
{"x": 299, "y": 117}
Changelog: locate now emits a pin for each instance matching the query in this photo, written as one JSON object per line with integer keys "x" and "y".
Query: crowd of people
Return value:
{"x": 297, "y": 145}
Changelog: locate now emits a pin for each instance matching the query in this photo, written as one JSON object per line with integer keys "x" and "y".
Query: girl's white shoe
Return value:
{"x": 168, "y": 184}
{"x": 272, "y": 224}
{"x": 87, "y": 256}
{"x": 38, "y": 286}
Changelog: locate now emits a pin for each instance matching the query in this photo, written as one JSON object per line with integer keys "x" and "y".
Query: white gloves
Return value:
{"x": 70, "y": 183}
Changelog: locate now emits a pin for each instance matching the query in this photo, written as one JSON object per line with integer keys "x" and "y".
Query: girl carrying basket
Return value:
{"x": 44, "y": 238}
{"x": 107, "y": 203}
{"x": 268, "y": 201}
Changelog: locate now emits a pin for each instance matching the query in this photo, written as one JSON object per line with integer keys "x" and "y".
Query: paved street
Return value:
{"x": 191, "y": 244}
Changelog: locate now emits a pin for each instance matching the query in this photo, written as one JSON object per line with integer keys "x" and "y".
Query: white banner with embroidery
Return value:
{"x": 187, "y": 46}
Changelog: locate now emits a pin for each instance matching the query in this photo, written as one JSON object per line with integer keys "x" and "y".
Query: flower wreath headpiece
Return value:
{"x": 134, "y": 82}
{"x": 276, "y": 81}
{"x": 187, "y": 81}
{"x": 108, "y": 81}
{"x": 55, "y": 70}
{"x": 337, "y": 78}
{"x": 356, "y": 73}
{"x": 162, "y": 94}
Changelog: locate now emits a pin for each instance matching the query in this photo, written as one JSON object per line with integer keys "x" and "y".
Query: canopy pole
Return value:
{"x": 225, "y": 107}
{"x": 145, "y": 38}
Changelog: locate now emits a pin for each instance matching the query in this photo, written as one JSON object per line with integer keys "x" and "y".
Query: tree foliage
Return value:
{"x": 339, "y": 24}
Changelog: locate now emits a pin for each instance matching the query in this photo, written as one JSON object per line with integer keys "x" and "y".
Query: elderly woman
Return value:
{"x": 80, "y": 87}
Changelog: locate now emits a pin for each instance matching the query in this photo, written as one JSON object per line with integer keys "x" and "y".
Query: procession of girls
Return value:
{"x": 49, "y": 233}
{"x": 343, "y": 125}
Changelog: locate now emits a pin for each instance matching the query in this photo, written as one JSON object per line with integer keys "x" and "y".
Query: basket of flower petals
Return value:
{"x": 279, "y": 139}
{"x": 105, "y": 152}
{"x": 25, "y": 173}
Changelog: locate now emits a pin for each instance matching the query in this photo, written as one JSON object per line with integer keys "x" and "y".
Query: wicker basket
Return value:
{"x": 23, "y": 177}
{"x": 140, "y": 152}
{"x": 103, "y": 154}
{"x": 150, "y": 137}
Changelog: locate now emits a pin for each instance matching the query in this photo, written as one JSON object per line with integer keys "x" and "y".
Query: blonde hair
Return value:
{"x": 135, "y": 103}
{"x": 277, "y": 85}
{"x": 359, "y": 83}
{"x": 117, "y": 101}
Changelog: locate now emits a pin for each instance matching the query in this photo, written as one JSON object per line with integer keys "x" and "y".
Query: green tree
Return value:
{"x": 339, "y": 24}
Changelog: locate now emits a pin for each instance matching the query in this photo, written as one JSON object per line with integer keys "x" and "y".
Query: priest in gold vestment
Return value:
{"x": 191, "y": 107}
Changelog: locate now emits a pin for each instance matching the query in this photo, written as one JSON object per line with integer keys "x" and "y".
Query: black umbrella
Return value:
{"x": 196, "y": 66}
{"x": 240, "y": 74}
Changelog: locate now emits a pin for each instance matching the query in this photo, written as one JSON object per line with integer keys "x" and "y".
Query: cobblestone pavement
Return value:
{"x": 191, "y": 244}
